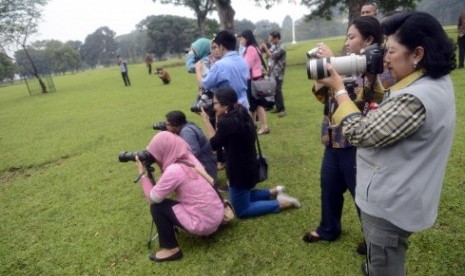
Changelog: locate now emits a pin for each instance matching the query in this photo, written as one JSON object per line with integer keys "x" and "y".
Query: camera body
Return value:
{"x": 144, "y": 156}
{"x": 371, "y": 61}
{"x": 205, "y": 101}
{"x": 159, "y": 126}
{"x": 313, "y": 53}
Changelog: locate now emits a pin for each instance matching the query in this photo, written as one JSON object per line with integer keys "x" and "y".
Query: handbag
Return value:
{"x": 229, "y": 214}
{"x": 266, "y": 85}
{"x": 263, "y": 87}
{"x": 262, "y": 165}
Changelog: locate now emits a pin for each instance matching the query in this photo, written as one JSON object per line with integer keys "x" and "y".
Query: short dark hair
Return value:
{"x": 369, "y": 26}
{"x": 414, "y": 29}
{"x": 275, "y": 34}
{"x": 176, "y": 118}
{"x": 227, "y": 39}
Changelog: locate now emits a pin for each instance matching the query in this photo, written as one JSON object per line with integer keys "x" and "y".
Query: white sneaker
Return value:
{"x": 280, "y": 189}
{"x": 288, "y": 198}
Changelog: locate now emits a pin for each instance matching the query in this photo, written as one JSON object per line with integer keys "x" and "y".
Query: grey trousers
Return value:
{"x": 387, "y": 246}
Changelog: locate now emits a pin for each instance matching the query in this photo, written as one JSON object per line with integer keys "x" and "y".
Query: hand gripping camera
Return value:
{"x": 145, "y": 157}
{"x": 371, "y": 61}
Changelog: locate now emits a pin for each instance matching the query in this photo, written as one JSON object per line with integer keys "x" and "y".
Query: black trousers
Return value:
{"x": 461, "y": 45}
{"x": 278, "y": 97}
{"x": 126, "y": 80}
{"x": 165, "y": 220}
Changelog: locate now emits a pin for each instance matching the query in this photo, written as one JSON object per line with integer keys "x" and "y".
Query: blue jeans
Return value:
{"x": 251, "y": 203}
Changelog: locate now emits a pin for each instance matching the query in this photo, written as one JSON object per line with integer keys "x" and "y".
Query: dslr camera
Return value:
{"x": 371, "y": 61}
{"x": 205, "y": 101}
{"x": 159, "y": 126}
{"x": 144, "y": 157}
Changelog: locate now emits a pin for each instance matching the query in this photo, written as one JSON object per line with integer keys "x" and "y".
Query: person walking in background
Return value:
{"x": 402, "y": 146}
{"x": 164, "y": 76}
{"x": 369, "y": 9}
{"x": 253, "y": 57}
{"x": 277, "y": 57}
{"x": 124, "y": 70}
{"x": 236, "y": 133}
{"x": 461, "y": 38}
{"x": 148, "y": 62}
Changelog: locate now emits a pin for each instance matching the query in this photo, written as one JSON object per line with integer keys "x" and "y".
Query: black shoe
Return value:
{"x": 362, "y": 248}
{"x": 176, "y": 256}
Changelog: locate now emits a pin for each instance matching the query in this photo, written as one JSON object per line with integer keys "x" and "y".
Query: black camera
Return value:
{"x": 159, "y": 126}
{"x": 205, "y": 101}
{"x": 371, "y": 61}
{"x": 144, "y": 156}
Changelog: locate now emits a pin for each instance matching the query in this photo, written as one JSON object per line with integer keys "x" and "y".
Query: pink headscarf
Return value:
{"x": 168, "y": 148}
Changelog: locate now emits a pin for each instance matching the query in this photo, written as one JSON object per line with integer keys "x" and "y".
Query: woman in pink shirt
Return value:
{"x": 253, "y": 57}
{"x": 197, "y": 208}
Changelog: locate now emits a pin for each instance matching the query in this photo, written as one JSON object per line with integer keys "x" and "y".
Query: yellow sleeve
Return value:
{"x": 343, "y": 110}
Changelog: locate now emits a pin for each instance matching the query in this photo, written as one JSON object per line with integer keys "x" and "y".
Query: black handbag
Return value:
{"x": 262, "y": 165}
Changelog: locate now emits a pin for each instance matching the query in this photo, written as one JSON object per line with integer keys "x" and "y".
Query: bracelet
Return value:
{"x": 339, "y": 93}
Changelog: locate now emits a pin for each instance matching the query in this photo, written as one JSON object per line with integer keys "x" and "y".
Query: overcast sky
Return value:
{"x": 75, "y": 19}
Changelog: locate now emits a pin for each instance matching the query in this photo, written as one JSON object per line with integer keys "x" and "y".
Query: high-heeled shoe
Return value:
{"x": 263, "y": 131}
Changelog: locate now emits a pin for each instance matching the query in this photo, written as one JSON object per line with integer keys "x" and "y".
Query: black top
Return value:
{"x": 236, "y": 133}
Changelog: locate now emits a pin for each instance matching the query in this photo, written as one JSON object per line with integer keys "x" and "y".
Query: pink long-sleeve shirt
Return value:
{"x": 200, "y": 210}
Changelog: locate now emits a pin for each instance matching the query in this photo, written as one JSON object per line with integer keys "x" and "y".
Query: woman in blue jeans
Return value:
{"x": 235, "y": 132}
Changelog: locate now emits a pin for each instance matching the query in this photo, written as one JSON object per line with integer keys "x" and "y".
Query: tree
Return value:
{"x": 168, "y": 34}
{"x": 326, "y": 8}
{"x": 263, "y": 29}
{"x": 201, "y": 8}
{"x": 7, "y": 68}
{"x": 18, "y": 21}
{"x": 226, "y": 14}
{"x": 243, "y": 25}
{"x": 100, "y": 47}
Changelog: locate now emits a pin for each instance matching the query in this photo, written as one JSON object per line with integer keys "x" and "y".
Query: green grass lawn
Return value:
{"x": 68, "y": 207}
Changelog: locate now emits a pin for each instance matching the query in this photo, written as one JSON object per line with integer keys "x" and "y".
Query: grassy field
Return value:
{"x": 68, "y": 207}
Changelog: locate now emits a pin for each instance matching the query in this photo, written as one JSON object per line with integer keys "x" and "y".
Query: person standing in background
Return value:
{"x": 369, "y": 9}
{"x": 461, "y": 38}
{"x": 277, "y": 57}
{"x": 148, "y": 61}
{"x": 124, "y": 70}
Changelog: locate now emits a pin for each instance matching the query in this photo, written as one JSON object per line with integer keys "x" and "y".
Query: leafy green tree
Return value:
{"x": 7, "y": 67}
{"x": 263, "y": 29}
{"x": 242, "y": 25}
{"x": 100, "y": 47}
{"x": 168, "y": 34}
{"x": 18, "y": 21}
{"x": 201, "y": 8}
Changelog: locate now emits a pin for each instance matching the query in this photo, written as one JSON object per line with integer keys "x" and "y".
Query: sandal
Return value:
{"x": 263, "y": 131}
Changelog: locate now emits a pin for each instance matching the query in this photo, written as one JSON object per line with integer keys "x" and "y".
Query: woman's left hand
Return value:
{"x": 334, "y": 81}
{"x": 139, "y": 166}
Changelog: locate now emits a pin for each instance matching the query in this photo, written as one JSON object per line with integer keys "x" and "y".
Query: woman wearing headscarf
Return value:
{"x": 197, "y": 208}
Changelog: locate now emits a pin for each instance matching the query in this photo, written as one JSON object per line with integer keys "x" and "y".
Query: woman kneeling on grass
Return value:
{"x": 236, "y": 133}
{"x": 198, "y": 209}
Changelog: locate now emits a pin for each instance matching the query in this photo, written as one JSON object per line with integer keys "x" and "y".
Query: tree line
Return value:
{"x": 165, "y": 35}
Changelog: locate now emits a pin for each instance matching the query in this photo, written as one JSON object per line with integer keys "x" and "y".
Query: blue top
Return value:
{"x": 230, "y": 71}
{"x": 200, "y": 146}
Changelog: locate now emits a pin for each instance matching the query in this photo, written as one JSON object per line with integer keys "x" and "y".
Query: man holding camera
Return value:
{"x": 230, "y": 71}
{"x": 200, "y": 146}
{"x": 277, "y": 55}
